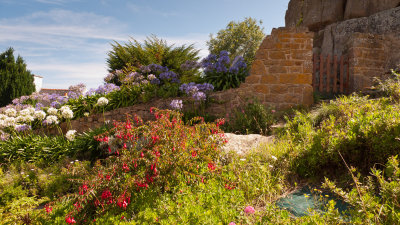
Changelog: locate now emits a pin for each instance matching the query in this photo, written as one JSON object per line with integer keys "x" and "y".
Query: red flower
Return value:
{"x": 70, "y": 220}
{"x": 194, "y": 154}
{"x": 128, "y": 125}
{"x": 155, "y": 138}
{"x": 125, "y": 167}
{"x": 124, "y": 145}
{"x": 48, "y": 209}
{"x": 141, "y": 154}
{"x": 106, "y": 194}
{"x": 211, "y": 166}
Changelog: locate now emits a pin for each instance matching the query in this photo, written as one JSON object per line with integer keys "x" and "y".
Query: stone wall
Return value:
{"x": 281, "y": 75}
{"x": 371, "y": 55}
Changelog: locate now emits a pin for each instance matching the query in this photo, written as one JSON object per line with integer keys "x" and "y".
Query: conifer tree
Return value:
{"x": 15, "y": 79}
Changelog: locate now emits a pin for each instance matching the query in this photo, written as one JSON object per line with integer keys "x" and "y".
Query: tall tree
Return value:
{"x": 15, "y": 79}
{"x": 238, "y": 38}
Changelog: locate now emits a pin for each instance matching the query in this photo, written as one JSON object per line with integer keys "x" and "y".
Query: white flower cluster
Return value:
{"x": 70, "y": 135}
{"x": 66, "y": 112}
{"x": 102, "y": 101}
{"x": 52, "y": 111}
{"x": 52, "y": 119}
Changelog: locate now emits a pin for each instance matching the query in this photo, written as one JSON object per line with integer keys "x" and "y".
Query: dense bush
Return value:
{"x": 152, "y": 51}
{"x": 363, "y": 131}
{"x": 159, "y": 154}
{"x": 376, "y": 200}
{"x": 15, "y": 79}
{"x": 222, "y": 73}
{"x": 251, "y": 118}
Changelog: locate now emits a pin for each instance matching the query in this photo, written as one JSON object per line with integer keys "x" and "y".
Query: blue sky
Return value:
{"x": 66, "y": 41}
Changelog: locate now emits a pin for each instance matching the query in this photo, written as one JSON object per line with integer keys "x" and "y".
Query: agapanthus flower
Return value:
{"x": 176, "y": 104}
{"x": 66, "y": 112}
{"x": 151, "y": 77}
{"x": 155, "y": 81}
{"x": 199, "y": 96}
{"x": 11, "y": 112}
{"x": 22, "y": 127}
{"x": 51, "y": 120}
{"x": 70, "y": 135}
{"x": 102, "y": 101}
{"x": 52, "y": 111}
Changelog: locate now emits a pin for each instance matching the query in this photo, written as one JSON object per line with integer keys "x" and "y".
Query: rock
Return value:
{"x": 364, "y": 8}
{"x": 316, "y": 14}
{"x": 243, "y": 143}
{"x": 335, "y": 36}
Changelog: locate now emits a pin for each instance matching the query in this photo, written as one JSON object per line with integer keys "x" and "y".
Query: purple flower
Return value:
{"x": 199, "y": 96}
{"x": 168, "y": 75}
{"x": 155, "y": 81}
{"x": 249, "y": 210}
{"x": 23, "y": 127}
{"x": 55, "y": 104}
{"x": 106, "y": 88}
{"x": 176, "y": 104}
{"x": 39, "y": 106}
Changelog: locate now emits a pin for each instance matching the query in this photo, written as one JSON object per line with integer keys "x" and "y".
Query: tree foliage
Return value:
{"x": 153, "y": 50}
{"x": 239, "y": 39}
{"x": 15, "y": 79}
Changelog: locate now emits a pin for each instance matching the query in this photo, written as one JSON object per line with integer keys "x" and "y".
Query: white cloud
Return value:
{"x": 68, "y": 47}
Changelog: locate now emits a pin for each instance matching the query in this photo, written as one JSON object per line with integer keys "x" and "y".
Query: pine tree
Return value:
{"x": 15, "y": 79}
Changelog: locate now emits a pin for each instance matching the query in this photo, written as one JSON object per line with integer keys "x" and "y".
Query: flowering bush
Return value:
{"x": 220, "y": 72}
{"x": 160, "y": 154}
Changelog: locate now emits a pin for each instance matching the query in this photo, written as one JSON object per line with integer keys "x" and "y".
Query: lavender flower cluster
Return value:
{"x": 103, "y": 89}
{"x": 197, "y": 91}
{"x": 221, "y": 64}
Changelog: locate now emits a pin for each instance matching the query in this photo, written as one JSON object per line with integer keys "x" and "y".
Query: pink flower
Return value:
{"x": 249, "y": 210}
{"x": 211, "y": 166}
{"x": 48, "y": 209}
{"x": 70, "y": 220}
{"x": 232, "y": 223}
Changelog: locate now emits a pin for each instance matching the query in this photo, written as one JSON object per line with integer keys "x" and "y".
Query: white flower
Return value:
{"x": 70, "y": 135}
{"x": 86, "y": 114}
{"x": 28, "y": 118}
{"x": 102, "y": 101}
{"x": 11, "y": 112}
{"x": 274, "y": 158}
{"x": 20, "y": 118}
{"x": 151, "y": 77}
{"x": 64, "y": 107}
{"x": 51, "y": 119}
{"x": 40, "y": 115}
{"x": 52, "y": 111}
{"x": 3, "y": 116}
{"x": 9, "y": 122}
{"x": 67, "y": 114}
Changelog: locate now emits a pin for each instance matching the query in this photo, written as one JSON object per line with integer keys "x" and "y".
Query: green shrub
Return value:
{"x": 153, "y": 50}
{"x": 364, "y": 131}
{"x": 377, "y": 199}
{"x": 252, "y": 118}
{"x": 34, "y": 148}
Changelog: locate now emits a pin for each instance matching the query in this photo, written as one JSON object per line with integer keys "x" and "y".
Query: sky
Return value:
{"x": 67, "y": 41}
